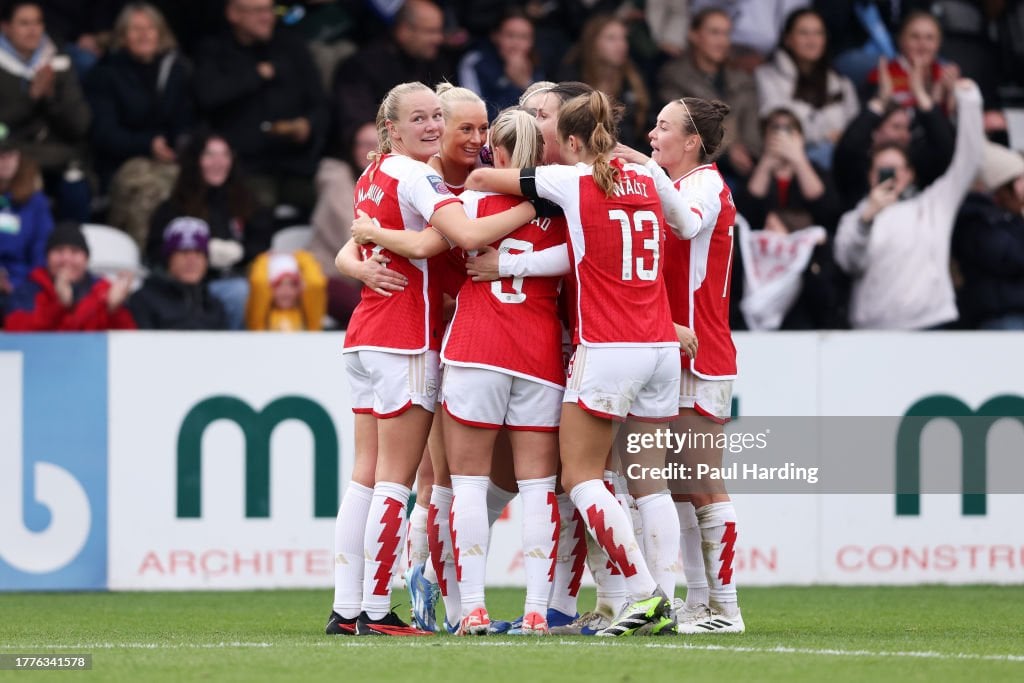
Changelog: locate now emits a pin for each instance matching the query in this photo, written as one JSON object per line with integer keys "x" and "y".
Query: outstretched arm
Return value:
{"x": 407, "y": 243}
{"x": 475, "y": 233}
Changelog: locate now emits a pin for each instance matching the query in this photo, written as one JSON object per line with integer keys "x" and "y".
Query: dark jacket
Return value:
{"x": 988, "y": 244}
{"x": 35, "y": 307}
{"x": 824, "y": 210}
{"x": 931, "y": 150}
{"x": 254, "y": 234}
{"x": 238, "y": 102}
{"x": 52, "y": 130}
{"x": 164, "y": 303}
{"x": 483, "y": 71}
{"x": 25, "y": 250}
{"x": 133, "y": 103}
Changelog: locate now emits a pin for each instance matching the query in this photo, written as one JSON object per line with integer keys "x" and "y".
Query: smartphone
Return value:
{"x": 886, "y": 173}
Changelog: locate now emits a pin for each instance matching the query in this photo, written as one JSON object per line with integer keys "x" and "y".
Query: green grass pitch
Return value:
{"x": 928, "y": 633}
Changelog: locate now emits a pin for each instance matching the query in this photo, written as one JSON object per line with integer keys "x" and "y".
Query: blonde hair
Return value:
{"x": 591, "y": 120}
{"x": 538, "y": 87}
{"x": 388, "y": 111}
{"x": 450, "y": 95}
{"x": 166, "y": 41}
{"x": 516, "y": 131}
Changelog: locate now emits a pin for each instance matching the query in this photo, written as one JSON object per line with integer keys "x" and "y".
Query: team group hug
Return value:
{"x": 534, "y": 293}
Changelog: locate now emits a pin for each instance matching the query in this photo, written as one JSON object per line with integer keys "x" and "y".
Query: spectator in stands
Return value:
{"x": 142, "y": 102}
{"x": 261, "y": 89}
{"x": 289, "y": 293}
{"x": 333, "y": 216}
{"x": 702, "y": 72}
{"x": 42, "y": 105}
{"x": 920, "y": 38}
{"x": 211, "y": 187}
{"x": 757, "y": 25}
{"x": 25, "y": 221}
{"x": 895, "y": 244}
{"x": 505, "y": 64}
{"x": 799, "y": 78}
{"x": 925, "y": 132}
{"x": 601, "y": 60}
{"x": 785, "y": 179}
{"x": 176, "y": 296}
{"x": 63, "y": 296}
{"x": 411, "y": 53}
{"x": 988, "y": 245}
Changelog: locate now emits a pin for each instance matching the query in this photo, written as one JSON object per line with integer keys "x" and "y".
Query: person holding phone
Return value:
{"x": 895, "y": 244}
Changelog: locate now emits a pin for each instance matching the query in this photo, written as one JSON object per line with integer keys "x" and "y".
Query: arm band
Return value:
{"x": 528, "y": 182}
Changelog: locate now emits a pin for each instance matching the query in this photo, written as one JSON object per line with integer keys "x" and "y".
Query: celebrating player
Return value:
{"x": 393, "y": 341}
{"x": 626, "y": 359}
{"x": 685, "y": 141}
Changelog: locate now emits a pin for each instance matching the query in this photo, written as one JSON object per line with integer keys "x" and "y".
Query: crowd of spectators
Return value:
{"x": 855, "y": 146}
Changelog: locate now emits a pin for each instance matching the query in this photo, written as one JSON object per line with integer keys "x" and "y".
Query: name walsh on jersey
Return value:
{"x": 628, "y": 186}
{"x": 373, "y": 193}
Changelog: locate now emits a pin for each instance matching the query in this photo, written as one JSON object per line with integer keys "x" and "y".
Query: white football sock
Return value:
{"x": 439, "y": 534}
{"x": 661, "y": 539}
{"x": 718, "y": 532}
{"x": 470, "y": 533}
{"x": 693, "y": 556}
{"x": 385, "y": 533}
{"x": 612, "y": 529}
{"x": 540, "y": 534}
{"x": 417, "y": 551}
{"x": 571, "y": 553}
{"x": 608, "y": 580}
{"x": 349, "y": 531}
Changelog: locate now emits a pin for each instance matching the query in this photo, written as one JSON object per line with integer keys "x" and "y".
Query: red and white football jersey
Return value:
{"x": 401, "y": 192}
{"x": 511, "y": 324}
{"x": 616, "y": 247}
{"x": 698, "y": 273}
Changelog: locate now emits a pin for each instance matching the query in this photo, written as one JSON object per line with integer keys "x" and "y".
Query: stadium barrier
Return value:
{"x": 216, "y": 460}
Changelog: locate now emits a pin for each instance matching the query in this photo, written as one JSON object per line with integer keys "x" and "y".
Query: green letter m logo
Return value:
{"x": 974, "y": 427}
{"x": 257, "y": 429}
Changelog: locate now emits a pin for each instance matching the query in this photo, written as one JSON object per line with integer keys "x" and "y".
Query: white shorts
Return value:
{"x": 387, "y": 384}
{"x": 709, "y": 397}
{"x": 491, "y": 399}
{"x": 617, "y": 382}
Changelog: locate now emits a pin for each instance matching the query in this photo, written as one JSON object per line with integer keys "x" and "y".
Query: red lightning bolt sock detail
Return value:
{"x": 436, "y": 548}
{"x": 605, "y": 537}
{"x": 728, "y": 553}
{"x": 390, "y": 537}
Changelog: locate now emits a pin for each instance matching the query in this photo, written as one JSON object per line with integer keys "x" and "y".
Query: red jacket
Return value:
{"x": 35, "y": 307}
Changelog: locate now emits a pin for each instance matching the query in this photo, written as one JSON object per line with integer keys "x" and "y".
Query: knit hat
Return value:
{"x": 281, "y": 265}
{"x": 999, "y": 166}
{"x": 186, "y": 234}
{"x": 67, "y": 233}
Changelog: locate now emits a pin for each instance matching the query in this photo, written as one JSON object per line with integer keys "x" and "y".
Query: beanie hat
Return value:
{"x": 281, "y": 265}
{"x": 999, "y": 166}
{"x": 186, "y": 234}
{"x": 67, "y": 234}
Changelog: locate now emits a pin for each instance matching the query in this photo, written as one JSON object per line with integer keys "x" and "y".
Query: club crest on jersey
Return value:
{"x": 437, "y": 183}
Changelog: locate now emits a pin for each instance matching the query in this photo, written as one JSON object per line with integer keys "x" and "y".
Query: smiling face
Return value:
{"x": 420, "y": 124}
{"x": 465, "y": 132}
{"x": 70, "y": 261}
{"x": 920, "y": 40}
{"x": 142, "y": 38}
{"x": 215, "y": 162}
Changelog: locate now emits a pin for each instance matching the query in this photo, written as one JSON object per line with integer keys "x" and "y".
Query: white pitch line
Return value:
{"x": 528, "y": 643}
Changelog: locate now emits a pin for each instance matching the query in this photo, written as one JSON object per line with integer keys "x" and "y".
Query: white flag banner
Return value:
{"x": 773, "y": 266}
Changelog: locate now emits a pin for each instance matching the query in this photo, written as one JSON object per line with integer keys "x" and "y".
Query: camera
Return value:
{"x": 886, "y": 173}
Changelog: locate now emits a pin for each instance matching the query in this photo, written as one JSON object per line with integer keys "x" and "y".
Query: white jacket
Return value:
{"x": 901, "y": 265}
{"x": 776, "y": 83}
